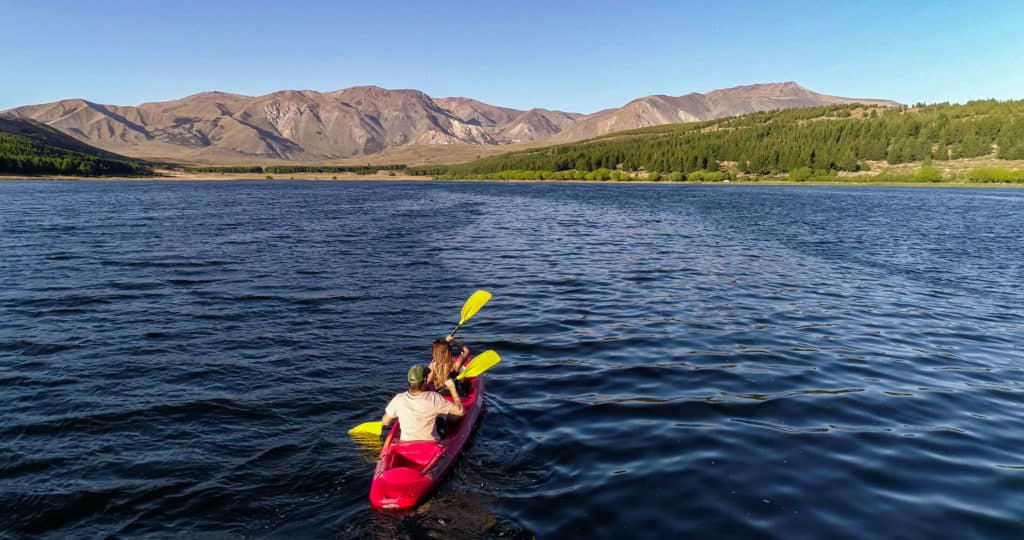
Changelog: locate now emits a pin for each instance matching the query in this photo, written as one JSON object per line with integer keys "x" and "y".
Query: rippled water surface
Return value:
{"x": 727, "y": 362}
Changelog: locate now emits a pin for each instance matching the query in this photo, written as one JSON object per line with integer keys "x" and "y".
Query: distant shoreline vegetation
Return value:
{"x": 926, "y": 174}
{"x": 600, "y": 175}
{"x": 294, "y": 169}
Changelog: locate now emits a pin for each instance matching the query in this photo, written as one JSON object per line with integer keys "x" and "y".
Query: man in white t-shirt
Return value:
{"x": 417, "y": 411}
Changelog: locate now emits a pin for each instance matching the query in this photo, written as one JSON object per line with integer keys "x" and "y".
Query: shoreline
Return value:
{"x": 214, "y": 177}
{"x": 221, "y": 177}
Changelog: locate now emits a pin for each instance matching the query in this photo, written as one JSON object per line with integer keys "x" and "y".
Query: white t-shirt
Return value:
{"x": 417, "y": 414}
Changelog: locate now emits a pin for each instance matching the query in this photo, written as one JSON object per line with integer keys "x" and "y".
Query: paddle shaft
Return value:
{"x": 391, "y": 435}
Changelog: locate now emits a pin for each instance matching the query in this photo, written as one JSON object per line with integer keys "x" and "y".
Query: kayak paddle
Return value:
{"x": 475, "y": 302}
{"x": 480, "y": 363}
{"x": 472, "y": 305}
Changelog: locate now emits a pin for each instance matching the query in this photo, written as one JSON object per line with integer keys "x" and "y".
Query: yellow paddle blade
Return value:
{"x": 473, "y": 305}
{"x": 367, "y": 428}
{"x": 480, "y": 363}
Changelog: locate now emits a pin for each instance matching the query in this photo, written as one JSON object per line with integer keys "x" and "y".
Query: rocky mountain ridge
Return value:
{"x": 309, "y": 126}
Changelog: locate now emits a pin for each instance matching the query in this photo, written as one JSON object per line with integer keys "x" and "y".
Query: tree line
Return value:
{"x": 23, "y": 155}
{"x": 833, "y": 138}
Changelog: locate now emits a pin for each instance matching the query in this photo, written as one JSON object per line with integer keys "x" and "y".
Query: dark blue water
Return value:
{"x": 679, "y": 361}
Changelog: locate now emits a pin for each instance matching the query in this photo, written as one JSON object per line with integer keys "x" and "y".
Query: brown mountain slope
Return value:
{"x": 311, "y": 127}
{"x": 476, "y": 112}
{"x": 512, "y": 125}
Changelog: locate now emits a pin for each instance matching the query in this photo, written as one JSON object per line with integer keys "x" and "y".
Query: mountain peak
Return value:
{"x": 765, "y": 90}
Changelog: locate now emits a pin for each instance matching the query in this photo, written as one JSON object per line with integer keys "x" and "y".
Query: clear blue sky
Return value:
{"x": 571, "y": 55}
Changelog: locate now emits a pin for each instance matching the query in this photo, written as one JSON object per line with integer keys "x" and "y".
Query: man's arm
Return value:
{"x": 456, "y": 404}
{"x": 390, "y": 412}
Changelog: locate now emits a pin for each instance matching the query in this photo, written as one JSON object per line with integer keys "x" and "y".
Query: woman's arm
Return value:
{"x": 462, "y": 359}
{"x": 459, "y": 360}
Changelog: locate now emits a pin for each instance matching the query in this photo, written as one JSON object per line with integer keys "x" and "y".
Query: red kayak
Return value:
{"x": 407, "y": 471}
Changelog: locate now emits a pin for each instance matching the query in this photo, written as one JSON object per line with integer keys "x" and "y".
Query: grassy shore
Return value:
{"x": 743, "y": 181}
{"x": 164, "y": 174}
{"x": 979, "y": 171}
{"x": 961, "y": 173}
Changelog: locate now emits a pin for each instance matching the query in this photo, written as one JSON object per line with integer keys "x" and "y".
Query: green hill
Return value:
{"x": 810, "y": 142}
{"x": 32, "y": 148}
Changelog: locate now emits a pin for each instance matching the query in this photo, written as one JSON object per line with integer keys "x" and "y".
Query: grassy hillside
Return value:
{"x": 31, "y": 148}
{"x": 809, "y": 142}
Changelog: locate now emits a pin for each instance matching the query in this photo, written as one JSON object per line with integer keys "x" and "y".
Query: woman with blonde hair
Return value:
{"x": 443, "y": 366}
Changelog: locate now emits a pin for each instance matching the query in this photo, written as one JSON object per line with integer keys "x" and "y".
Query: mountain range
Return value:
{"x": 314, "y": 127}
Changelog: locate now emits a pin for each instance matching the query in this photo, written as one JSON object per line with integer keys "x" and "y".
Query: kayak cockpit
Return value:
{"x": 418, "y": 455}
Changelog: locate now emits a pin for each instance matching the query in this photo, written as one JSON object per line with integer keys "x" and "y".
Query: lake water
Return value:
{"x": 679, "y": 361}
